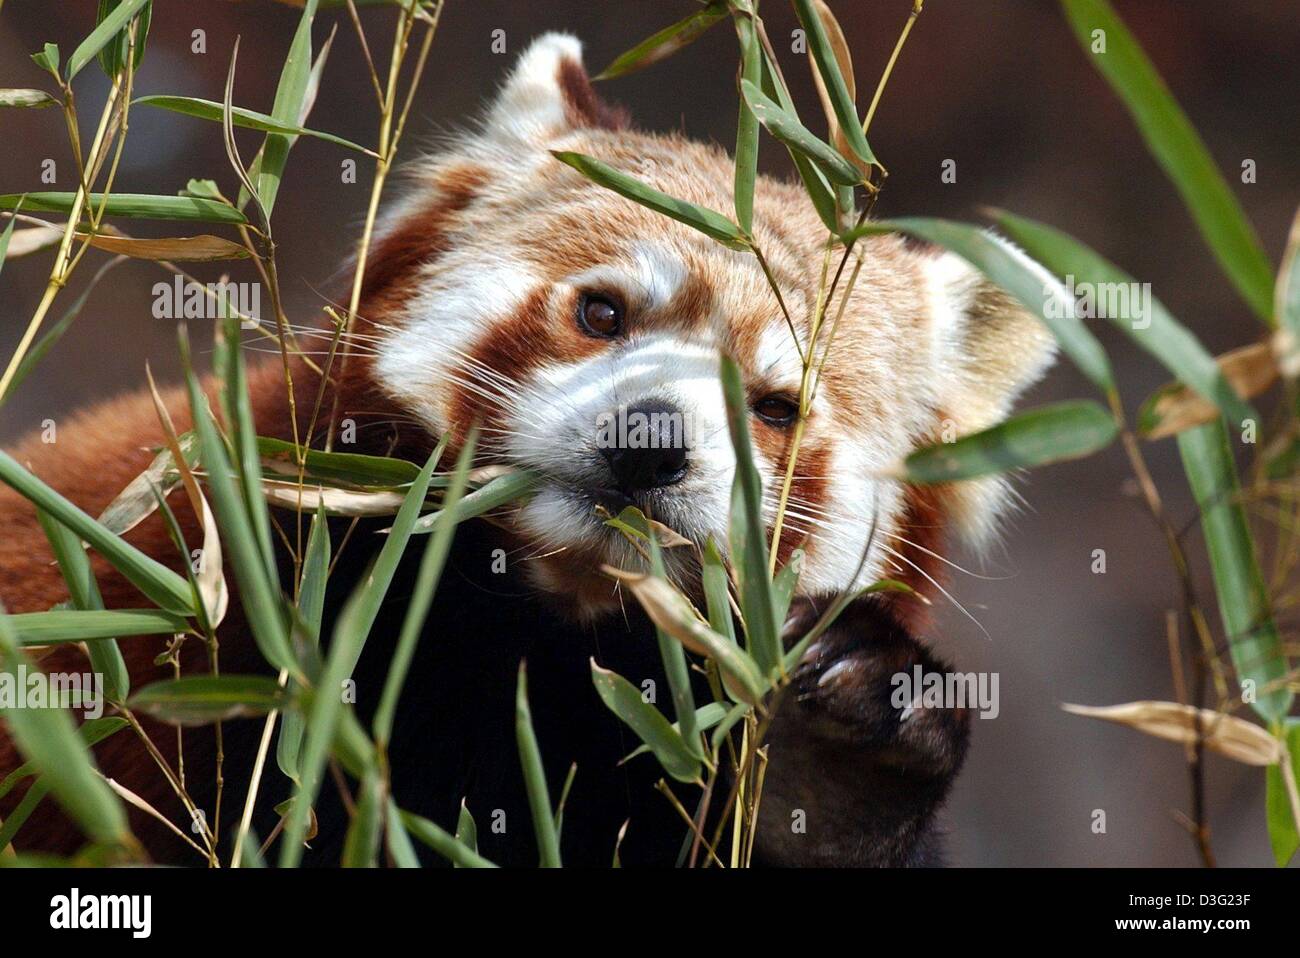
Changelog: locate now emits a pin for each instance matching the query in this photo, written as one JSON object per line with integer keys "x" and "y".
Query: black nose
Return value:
{"x": 646, "y": 446}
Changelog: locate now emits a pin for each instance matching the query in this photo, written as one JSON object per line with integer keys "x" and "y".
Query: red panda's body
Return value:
{"x": 507, "y": 291}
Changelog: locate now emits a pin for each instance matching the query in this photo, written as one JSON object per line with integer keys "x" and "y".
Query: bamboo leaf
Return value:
{"x": 671, "y": 611}
{"x": 666, "y": 42}
{"x": 74, "y": 565}
{"x": 1286, "y": 303}
{"x": 466, "y": 830}
{"x": 138, "y": 501}
{"x": 1147, "y": 323}
{"x": 311, "y": 608}
{"x": 361, "y": 844}
{"x": 1028, "y": 281}
{"x": 131, "y": 205}
{"x": 823, "y": 52}
{"x": 677, "y": 670}
{"x": 787, "y": 128}
{"x": 1226, "y": 734}
{"x": 443, "y": 843}
{"x": 749, "y": 538}
{"x": 49, "y": 740}
{"x": 530, "y": 758}
{"x": 1174, "y": 407}
{"x": 248, "y": 119}
{"x": 151, "y": 577}
{"x": 495, "y": 493}
{"x": 1053, "y": 433}
{"x": 717, "y": 592}
{"x": 751, "y": 70}
{"x": 76, "y": 625}
{"x": 290, "y": 94}
{"x": 259, "y": 592}
{"x": 1283, "y": 828}
{"x": 1253, "y": 639}
{"x": 1173, "y": 141}
{"x": 668, "y": 745}
{"x": 113, "y": 56}
{"x": 697, "y": 217}
{"x": 109, "y": 27}
{"x": 345, "y": 468}
{"x": 205, "y": 699}
{"x": 426, "y": 583}
{"x": 27, "y": 98}
{"x": 179, "y": 249}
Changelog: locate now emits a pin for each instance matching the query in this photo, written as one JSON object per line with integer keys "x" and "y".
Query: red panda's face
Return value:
{"x": 582, "y": 332}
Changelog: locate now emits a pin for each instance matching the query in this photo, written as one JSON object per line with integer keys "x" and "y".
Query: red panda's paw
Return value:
{"x": 858, "y": 765}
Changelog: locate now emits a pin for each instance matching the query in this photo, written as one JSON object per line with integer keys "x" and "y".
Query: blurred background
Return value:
{"x": 999, "y": 86}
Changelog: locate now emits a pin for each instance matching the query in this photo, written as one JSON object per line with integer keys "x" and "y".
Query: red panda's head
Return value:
{"x": 508, "y": 289}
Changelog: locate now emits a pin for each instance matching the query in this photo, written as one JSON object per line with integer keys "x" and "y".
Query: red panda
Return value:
{"x": 505, "y": 289}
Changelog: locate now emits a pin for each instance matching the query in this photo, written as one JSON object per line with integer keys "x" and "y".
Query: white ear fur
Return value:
{"x": 987, "y": 349}
{"x": 531, "y": 105}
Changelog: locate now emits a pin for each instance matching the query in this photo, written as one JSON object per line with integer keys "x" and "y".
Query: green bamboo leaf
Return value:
{"x": 311, "y": 609}
{"x": 706, "y": 717}
{"x": 75, "y": 625}
{"x": 49, "y": 740}
{"x": 1257, "y": 653}
{"x": 784, "y": 584}
{"x": 1028, "y": 281}
{"x": 397, "y": 839}
{"x": 669, "y": 746}
{"x": 110, "y": 25}
{"x": 74, "y": 566}
{"x": 666, "y": 42}
{"x": 1177, "y": 147}
{"x": 443, "y": 843}
{"x": 113, "y": 56}
{"x": 205, "y": 699}
{"x": 248, "y": 119}
{"x": 337, "y": 468}
{"x": 162, "y": 585}
{"x": 48, "y": 59}
{"x": 787, "y": 128}
{"x": 1053, "y": 433}
{"x": 426, "y": 583}
{"x": 717, "y": 592}
{"x": 673, "y": 656}
{"x": 30, "y": 99}
{"x": 707, "y": 221}
{"x": 259, "y": 591}
{"x": 92, "y": 731}
{"x": 1282, "y": 829}
{"x": 466, "y": 830}
{"x": 751, "y": 70}
{"x": 361, "y": 844}
{"x": 290, "y": 94}
{"x": 828, "y": 66}
{"x": 530, "y": 758}
{"x": 749, "y": 538}
{"x": 131, "y": 205}
{"x": 371, "y": 593}
{"x": 1152, "y": 328}
{"x": 492, "y": 495}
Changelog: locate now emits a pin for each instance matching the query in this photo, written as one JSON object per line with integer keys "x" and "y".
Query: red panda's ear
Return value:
{"x": 988, "y": 350}
{"x": 548, "y": 93}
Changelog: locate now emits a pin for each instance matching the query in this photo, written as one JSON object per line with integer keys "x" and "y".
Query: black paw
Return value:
{"x": 855, "y": 776}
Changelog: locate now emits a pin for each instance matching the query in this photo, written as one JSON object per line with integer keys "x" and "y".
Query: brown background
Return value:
{"x": 998, "y": 85}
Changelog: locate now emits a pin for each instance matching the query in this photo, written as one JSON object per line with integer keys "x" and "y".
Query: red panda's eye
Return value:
{"x": 599, "y": 315}
{"x": 776, "y": 410}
